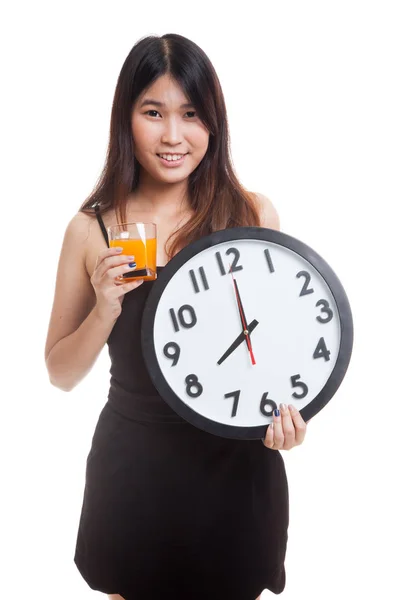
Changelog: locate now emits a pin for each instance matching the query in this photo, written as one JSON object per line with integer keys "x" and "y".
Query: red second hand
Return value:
{"x": 242, "y": 317}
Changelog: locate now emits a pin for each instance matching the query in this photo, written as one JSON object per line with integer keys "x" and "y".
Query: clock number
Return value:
{"x": 296, "y": 383}
{"x": 326, "y": 309}
{"x": 235, "y": 395}
{"x": 265, "y": 401}
{"x": 269, "y": 261}
{"x": 236, "y": 253}
{"x": 234, "y": 267}
{"x": 321, "y": 351}
{"x": 203, "y": 279}
{"x": 173, "y": 352}
{"x": 192, "y": 381}
{"x": 220, "y": 263}
{"x": 186, "y": 317}
{"x": 305, "y": 290}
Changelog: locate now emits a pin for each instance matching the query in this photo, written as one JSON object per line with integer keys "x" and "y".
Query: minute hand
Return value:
{"x": 243, "y": 319}
{"x": 240, "y": 338}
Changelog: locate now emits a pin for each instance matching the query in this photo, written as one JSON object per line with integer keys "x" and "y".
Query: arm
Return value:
{"x": 76, "y": 334}
{"x": 268, "y": 214}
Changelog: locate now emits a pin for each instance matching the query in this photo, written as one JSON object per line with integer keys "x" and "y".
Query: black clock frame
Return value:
{"x": 229, "y": 235}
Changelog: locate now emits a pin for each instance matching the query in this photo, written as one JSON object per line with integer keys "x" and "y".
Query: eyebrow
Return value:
{"x": 148, "y": 101}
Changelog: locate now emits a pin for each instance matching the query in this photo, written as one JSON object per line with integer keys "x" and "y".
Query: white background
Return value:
{"x": 312, "y": 91}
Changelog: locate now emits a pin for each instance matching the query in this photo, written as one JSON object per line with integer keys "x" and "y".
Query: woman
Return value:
{"x": 168, "y": 508}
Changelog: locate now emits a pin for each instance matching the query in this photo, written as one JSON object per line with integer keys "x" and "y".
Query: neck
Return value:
{"x": 159, "y": 197}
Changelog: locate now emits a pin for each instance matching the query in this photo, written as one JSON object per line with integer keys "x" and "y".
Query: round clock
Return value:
{"x": 240, "y": 321}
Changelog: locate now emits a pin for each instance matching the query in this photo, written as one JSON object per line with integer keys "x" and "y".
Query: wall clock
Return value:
{"x": 240, "y": 321}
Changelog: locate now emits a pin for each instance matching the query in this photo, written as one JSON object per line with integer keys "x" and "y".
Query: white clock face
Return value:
{"x": 295, "y": 340}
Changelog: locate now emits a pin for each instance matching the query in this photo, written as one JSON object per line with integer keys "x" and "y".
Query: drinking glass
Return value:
{"x": 138, "y": 240}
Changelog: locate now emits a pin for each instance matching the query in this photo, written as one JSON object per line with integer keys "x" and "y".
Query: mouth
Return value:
{"x": 172, "y": 160}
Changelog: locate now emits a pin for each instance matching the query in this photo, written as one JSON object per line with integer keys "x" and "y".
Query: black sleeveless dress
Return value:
{"x": 170, "y": 511}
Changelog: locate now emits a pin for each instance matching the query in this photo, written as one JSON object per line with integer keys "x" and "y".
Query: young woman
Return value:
{"x": 168, "y": 510}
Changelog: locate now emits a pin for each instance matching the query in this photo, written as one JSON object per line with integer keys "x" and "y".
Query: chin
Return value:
{"x": 171, "y": 176}
{"x": 173, "y": 179}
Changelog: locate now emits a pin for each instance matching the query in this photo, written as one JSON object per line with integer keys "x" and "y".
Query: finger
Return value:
{"x": 289, "y": 432}
{"x": 113, "y": 254}
{"x": 115, "y": 274}
{"x": 268, "y": 440}
{"x": 112, "y": 266}
{"x": 300, "y": 425}
{"x": 279, "y": 438}
{"x": 108, "y": 252}
{"x": 124, "y": 288}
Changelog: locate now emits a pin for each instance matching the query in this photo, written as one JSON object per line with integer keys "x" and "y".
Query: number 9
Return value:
{"x": 173, "y": 352}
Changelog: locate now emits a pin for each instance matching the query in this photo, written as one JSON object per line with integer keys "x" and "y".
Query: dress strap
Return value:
{"x": 101, "y": 223}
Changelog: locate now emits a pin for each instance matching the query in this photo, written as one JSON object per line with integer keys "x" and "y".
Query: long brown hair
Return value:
{"x": 217, "y": 198}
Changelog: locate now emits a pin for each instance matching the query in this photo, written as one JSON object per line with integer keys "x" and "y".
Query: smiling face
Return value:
{"x": 170, "y": 140}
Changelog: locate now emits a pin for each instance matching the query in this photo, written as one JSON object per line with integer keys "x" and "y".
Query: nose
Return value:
{"x": 172, "y": 133}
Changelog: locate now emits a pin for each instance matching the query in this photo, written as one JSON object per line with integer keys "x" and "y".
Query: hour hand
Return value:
{"x": 240, "y": 338}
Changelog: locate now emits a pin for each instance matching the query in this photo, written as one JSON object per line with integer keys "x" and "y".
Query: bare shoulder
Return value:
{"x": 79, "y": 227}
{"x": 79, "y": 233}
{"x": 268, "y": 214}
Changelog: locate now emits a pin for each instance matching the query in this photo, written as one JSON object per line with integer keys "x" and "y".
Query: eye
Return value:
{"x": 151, "y": 111}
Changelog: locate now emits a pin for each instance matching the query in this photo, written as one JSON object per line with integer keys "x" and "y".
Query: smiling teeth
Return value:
{"x": 171, "y": 156}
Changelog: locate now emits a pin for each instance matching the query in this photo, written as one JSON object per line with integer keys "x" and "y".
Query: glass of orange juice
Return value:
{"x": 138, "y": 240}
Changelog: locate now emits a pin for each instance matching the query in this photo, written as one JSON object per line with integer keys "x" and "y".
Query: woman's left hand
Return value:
{"x": 289, "y": 429}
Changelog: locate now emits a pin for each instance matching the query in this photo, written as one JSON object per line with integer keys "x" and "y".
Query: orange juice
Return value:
{"x": 145, "y": 257}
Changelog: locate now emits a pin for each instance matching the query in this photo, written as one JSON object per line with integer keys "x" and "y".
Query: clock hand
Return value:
{"x": 238, "y": 341}
{"x": 243, "y": 318}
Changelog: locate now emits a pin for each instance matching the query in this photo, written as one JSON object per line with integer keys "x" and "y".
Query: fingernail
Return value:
{"x": 277, "y": 412}
{"x": 132, "y": 265}
{"x": 119, "y": 249}
{"x": 283, "y": 407}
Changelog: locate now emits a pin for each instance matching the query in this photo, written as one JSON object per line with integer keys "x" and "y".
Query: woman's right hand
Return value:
{"x": 110, "y": 293}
